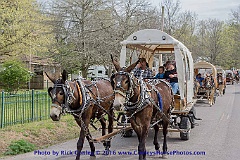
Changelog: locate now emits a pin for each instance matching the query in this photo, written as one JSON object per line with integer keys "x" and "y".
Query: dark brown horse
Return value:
{"x": 85, "y": 100}
{"x": 236, "y": 77}
{"x": 141, "y": 101}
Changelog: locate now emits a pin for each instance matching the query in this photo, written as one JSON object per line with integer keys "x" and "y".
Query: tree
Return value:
{"x": 77, "y": 24}
{"x": 23, "y": 29}
{"x": 210, "y": 36}
{"x": 14, "y": 75}
{"x": 89, "y": 30}
{"x": 172, "y": 11}
{"x": 231, "y": 41}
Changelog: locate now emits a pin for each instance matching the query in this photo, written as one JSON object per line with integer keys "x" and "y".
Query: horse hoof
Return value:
{"x": 164, "y": 156}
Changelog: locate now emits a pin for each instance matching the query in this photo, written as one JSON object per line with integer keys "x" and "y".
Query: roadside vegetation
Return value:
{"x": 37, "y": 135}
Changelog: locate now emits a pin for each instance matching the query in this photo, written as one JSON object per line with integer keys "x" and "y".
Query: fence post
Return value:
{"x": 2, "y": 115}
{"x": 33, "y": 105}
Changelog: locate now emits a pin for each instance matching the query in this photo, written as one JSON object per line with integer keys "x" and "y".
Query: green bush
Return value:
{"x": 20, "y": 146}
{"x": 14, "y": 75}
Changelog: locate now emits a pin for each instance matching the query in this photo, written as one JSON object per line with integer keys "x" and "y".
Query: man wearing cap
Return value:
{"x": 142, "y": 66}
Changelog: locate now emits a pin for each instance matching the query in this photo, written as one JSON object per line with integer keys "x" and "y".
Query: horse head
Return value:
{"x": 209, "y": 81}
{"x": 63, "y": 93}
{"x": 220, "y": 78}
{"x": 124, "y": 84}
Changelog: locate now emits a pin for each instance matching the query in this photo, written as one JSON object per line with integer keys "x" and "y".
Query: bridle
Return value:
{"x": 209, "y": 83}
{"x": 143, "y": 97}
{"x": 220, "y": 79}
{"x": 68, "y": 93}
{"x": 126, "y": 93}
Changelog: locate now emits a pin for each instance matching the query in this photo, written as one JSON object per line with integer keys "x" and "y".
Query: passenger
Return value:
{"x": 199, "y": 78}
{"x": 142, "y": 66}
{"x": 160, "y": 74}
{"x": 154, "y": 72}
{"x": 171, "y": 75}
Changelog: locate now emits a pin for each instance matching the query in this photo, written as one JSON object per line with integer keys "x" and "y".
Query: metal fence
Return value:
{"x": 24, "y": 107}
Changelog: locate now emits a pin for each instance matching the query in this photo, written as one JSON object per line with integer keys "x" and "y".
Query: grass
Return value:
{"x": 42, "y": 134}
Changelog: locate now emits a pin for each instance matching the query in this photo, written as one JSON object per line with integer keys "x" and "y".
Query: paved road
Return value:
{"x": 217, "y": 135}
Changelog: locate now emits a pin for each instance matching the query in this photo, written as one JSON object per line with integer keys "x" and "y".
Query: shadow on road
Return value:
{"x": 236, "y": 93}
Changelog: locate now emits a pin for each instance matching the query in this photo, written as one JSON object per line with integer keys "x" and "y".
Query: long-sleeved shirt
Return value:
{"x": 167, "y": 73}
{"x": 160, "y": 76}
{"x": 147, "y": 73}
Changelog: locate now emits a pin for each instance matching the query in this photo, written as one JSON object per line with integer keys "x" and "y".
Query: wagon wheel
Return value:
{"x": 127, "y": 133}
{"x": 185, "y": 124}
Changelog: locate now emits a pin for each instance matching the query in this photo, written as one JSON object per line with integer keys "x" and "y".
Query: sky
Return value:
{"x": 205, "y": 9}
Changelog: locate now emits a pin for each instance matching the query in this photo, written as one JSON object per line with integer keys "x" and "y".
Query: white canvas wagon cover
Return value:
{"x": 206, "y": 65}
{"x": 149, "y": 42}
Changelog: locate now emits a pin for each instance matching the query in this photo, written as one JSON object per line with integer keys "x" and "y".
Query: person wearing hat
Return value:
{"x": 171, "y": 76}
{"x": 142, "y": 66}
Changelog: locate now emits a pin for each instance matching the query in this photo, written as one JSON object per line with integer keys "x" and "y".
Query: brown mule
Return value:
{"x": 209, "y": 85}
{"x": 220, "y": 84}
{"x": 140, "y": 100}
{"x": 85, "y": 100}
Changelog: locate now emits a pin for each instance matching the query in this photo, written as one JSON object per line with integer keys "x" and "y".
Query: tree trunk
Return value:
{"x": 84, "y": 72}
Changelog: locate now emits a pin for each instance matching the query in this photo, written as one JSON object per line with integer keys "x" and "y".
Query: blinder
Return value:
{"x": 209, "y": 84}
{"x": 68, "y": 95}
{"x": 111, "y": 80}
{"x": 127, "y": 93}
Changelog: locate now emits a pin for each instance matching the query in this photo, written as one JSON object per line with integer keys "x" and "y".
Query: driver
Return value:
{"x": 142, "y": 66}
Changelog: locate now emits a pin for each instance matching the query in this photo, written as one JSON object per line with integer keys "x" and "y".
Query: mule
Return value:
{"x": 210, "y": 88}
{"x": 85, "y": 100}
{"x": 140, "y": 99}
{"x": 230, "y": 78}
{"x": 220, "y": 84}
{"x": 236, "y": 78}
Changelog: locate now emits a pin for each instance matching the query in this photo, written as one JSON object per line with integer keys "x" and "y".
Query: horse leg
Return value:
{"x": 212, "y": 96}
{"x": 165, "y": 131}
{"x": 221, "y": 90}
{"x": 110, "y": 127}
{"x": 103, "y": 124}
{"x": 142, "y": 135}
{"x": 207, "y": 94}
{"x": 91, "y": 144}
{"x": 106, "y": 143}
{"x": 84, "y": 129}
{"x": 155, "y": 140}
{"x": 80, "y": 143}
{"x": 141, "y": 126}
